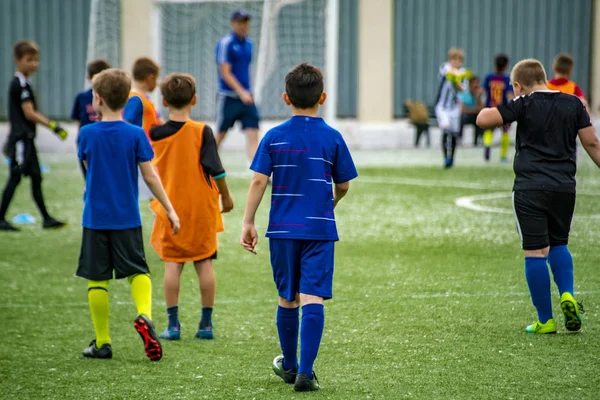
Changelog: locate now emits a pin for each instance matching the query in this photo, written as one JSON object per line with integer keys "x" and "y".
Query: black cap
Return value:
{"x": 239, "y": 15}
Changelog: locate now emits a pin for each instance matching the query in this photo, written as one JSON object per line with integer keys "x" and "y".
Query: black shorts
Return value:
{"x": 23, "y": 157}
{"x": 543, "y": 218}
{"x": 232, "y": 109}
{"x": 103, "y": 251}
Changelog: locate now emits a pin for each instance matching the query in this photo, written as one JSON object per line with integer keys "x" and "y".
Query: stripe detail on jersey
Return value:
{"x": 321, "y": 180}
{"x": 278, "y": 232}
{"x": 323, "y": 218}
{"x": 279, "y": 144}
{"x": 223, "y": 44}
{"x": 320, "y": 159}
{"x": 287, "y": 194}
{"x": 284, "y": 166}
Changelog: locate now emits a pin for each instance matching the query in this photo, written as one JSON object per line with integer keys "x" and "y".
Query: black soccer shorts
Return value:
{"x": 105, "y": 251}
{"x": 543, "y": 218}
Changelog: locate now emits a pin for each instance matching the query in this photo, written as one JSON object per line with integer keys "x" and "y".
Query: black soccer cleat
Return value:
{"x": 104, "y": 352}
{"x": 288, "y": 376}
{"x": 51, "y": 223}
{"x": 7, "y": 226}
{"x": 304, "y": 384}
{"x": 152, "y": 345}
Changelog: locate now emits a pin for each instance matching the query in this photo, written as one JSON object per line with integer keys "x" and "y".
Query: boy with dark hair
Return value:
{"x": 83, "y": 110}
{"x": 562, "y": 68}
{"x": 190, "y": 168}
{"x": 498, "y": 91}
{"x": 111, "y": 151}
{"x": 306, "y": 157}
{"x": 20, "y": 146}
{"x": 471, "y": 102}
{"x": 140, "y": 110}
{"x": 548, "y": 123}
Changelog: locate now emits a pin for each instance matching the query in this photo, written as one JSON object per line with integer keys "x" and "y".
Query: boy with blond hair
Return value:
{"x": 548, "y": 123}
{"x": 562, "y": 68}
{"x": 307, "y": 158}
{"x": 190, "y": 168}
{"x": 451, "y": 78}
{"x": 20, "y": 146}
{"x": 111, "y": 151}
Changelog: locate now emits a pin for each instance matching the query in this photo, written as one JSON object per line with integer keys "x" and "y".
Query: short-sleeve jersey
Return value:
{"x": 20, "y": 92}
{"x": 112, "y": 151}
{"x": 306, "y": 157}
{"x": 547, "y": 126}
{"x": 497, "y": 87}
{"x": 237, "y": 52}
{"x": 83, "y": 112}
{"x": 140, "y": 111}
{"x": 447, "y": 97}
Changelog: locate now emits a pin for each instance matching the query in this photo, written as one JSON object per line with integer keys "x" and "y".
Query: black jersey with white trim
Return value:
{"x": 20, "y": 92}
{"x": 546, "y": 145}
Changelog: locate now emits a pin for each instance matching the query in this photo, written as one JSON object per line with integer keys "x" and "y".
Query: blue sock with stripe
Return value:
{"x": 538, "y": 280}
{"x": 313, "y": 321}
{"x": 561, "y": 264}
{"x": 287, "y": 326}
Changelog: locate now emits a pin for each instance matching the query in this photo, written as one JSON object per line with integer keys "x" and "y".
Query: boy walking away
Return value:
{"x": 111, "y": 151}
{"x": 140, "y": 110}
{"x": 447, "y": 110}
{"x": 190, "y": 168}
{"x": 20, "y": 146}
{"x": 548, "y": 123}
{"x": 498, "y": 91}
{"x": 83, "y": 111}
{"x": 471, "y": 102}
{"x": 562, "y": 68}
{"x": 306, "y": 157}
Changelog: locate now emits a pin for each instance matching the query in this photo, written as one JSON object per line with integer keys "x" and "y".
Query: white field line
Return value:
{"x": 448, "y": 295}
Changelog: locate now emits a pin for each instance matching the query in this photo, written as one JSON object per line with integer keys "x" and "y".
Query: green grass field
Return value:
{"x": 429, "y": 302}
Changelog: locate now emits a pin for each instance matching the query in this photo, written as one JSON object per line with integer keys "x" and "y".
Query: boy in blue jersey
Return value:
{"x": 306, "y": 157}
{"x": 111, "y": 151}
{"x": 83, "y": 110}
{"x": 498, "y": 91}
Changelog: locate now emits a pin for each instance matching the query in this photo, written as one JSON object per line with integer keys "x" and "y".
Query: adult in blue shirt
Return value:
{"x": 234, "y": 98}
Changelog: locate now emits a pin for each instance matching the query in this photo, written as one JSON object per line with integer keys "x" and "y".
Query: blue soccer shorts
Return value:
{"x": 231, "y": 109}
{"x": 302, "y": 266}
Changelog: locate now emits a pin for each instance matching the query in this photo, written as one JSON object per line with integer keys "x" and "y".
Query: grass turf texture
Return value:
{"x": 430, "y": 300}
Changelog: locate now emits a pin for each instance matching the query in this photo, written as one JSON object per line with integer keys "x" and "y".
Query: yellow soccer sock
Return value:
{"x": 99, "y": 307}
{"x": 504, "y": 145}
{"x": 488, "y": 137}
{"x": 141, "y": 291}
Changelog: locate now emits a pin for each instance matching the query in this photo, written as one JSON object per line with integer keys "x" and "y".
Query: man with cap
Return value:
{"x": 234, "y": 98}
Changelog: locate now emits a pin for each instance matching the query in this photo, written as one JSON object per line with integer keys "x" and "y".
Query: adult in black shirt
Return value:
{"x": 20, "y": 145}
{"x": 548, "y": 123}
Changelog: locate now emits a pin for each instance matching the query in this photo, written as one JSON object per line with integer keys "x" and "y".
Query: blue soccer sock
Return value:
{"x": 538, "y": 280}
{"x": 206, "y": 318}
{"x": 288, "y": 326}
{"x": 313, "y": 321}
{"x": 561, "y": 264}
{"x": 173, "y": 314}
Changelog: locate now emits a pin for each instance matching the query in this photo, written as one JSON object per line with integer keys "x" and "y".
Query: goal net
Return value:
{"x": 284, "y": 33}
{"x": 104, "y": 32}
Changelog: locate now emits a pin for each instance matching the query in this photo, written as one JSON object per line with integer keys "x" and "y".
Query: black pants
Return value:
{"x": 470, "y": 119}
{"x": 29, "y": 166}
{"x": 422, "y": 128}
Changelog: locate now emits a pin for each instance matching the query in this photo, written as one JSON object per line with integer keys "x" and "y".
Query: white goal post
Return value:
{"x": 284, "y": 32}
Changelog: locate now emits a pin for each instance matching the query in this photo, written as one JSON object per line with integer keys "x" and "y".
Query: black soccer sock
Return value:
{"x": 444, "y": 145}
{"x": 452, "y": 145}
{"x": 38, "y": 196}
{"x": 206, "y": 318}
{"x": 9, "y": 191}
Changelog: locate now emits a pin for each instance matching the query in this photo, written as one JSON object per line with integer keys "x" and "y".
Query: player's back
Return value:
{"x": 112, "y": 151}
{"x": 497, "y": 86}
{"x": 547, "y": 126}
{"x": 307, "y": 157}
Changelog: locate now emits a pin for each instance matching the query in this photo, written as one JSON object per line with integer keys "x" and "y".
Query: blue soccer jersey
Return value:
{"x": 112, "y": 151}
{"x": 497, "y": 87}
{"x": 237, "y": 52}
{"x": 83, "y": 110}
{"x": 306, "y": 157}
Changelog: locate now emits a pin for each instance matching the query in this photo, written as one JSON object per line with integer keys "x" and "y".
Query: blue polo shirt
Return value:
{"x": 306, "y": 157}
{"x": 237, "y": 52}
{"x": 83, "y": 112}
{"x": 112, "y": 151}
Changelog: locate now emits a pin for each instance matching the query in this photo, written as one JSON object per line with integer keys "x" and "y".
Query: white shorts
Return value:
{"x": 448, "y": 119}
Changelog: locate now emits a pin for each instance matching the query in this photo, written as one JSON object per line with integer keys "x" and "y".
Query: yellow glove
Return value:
{"x": 59, "y": 130}
{"x": 468, "y": 74}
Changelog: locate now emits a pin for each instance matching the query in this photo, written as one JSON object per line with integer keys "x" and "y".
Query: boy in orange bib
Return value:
{"x": 190, "y": 168}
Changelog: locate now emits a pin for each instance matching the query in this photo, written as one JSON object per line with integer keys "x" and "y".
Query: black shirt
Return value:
{"x": 209, "y": 156}
{"x": 18, "y": 93}
{"x": 547, "y": 127}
